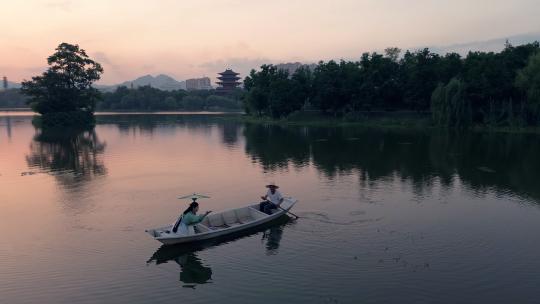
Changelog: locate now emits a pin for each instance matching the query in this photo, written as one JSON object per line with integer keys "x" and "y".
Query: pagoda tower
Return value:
{"x": 228, "y": 81}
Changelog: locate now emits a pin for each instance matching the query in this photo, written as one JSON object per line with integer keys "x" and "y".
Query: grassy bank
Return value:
{"x": 390, "y": 120}
{"x": 374, "y": 119}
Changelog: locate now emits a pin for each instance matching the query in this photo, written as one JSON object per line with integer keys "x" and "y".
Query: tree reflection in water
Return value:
{"x": 148, "y": 123}
{"x": 229, "y": 133}
{"x": 481, "y": 160}
{"x": 72, "y": 156}
{"x": 274, "y": 147}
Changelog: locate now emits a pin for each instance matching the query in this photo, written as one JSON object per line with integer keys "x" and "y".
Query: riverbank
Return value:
{"x": 385, "y": 122}
{"x": 216, "y": 111}
{"x": 29, "y": 112}
{"x": 380, "y": 120}
{"x": 11, "y": 109}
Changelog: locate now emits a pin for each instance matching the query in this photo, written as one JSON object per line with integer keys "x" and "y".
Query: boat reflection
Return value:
{"x": 192, "y": 269}
{"x": 193, "y": 272}
{"x": 273, "y": 238}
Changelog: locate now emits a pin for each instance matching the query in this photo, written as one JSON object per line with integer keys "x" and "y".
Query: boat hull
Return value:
{"x": 260, "y": 219}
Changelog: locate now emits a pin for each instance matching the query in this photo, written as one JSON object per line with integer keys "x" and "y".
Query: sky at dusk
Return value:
{"x": 187, "y": 39}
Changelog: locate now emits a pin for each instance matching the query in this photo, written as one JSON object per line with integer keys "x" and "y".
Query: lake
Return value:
{"x": 386, "y": 216}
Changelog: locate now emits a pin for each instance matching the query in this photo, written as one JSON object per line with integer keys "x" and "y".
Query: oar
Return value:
{"x": 297, "y": 217}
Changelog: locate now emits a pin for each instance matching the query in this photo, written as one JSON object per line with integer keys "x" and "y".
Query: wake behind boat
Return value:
{"x": 222, "y": 223}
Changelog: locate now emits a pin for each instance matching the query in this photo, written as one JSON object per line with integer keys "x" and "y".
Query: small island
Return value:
{"x": 63, "y": 94}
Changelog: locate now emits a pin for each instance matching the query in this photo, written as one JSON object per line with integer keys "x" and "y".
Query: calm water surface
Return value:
{"x": 386, "y": 216}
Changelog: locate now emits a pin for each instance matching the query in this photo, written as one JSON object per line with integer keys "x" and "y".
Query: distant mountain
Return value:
{"x": 161, "y": 81}
{"x": 291, "y": 67}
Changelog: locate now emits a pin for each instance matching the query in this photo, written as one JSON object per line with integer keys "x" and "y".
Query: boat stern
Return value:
{"x": 288, "y": 203}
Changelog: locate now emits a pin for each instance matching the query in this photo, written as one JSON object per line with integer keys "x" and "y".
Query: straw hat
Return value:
{"x": 272, "y": 185}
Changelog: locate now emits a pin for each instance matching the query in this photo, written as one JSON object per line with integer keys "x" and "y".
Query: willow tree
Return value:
{"x": 63, "y": 94}
{"x": 528, "y": 80}
{"x": 449, "y": 105}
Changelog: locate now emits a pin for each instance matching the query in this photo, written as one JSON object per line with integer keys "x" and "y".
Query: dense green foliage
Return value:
{"x": 65, "y": 88}
{"x": 64, "y": 119}
{"x": 12, "y": 98}
{"x": 528, "y": 80}
{"x": 481, "y": 86}
{"x": 449, "y": 106}
{"x": 147, "y": 98}
{"x": 271, "y": 91}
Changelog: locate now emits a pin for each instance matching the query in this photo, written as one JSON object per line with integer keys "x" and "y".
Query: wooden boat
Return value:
{"x": 222, "y": 223}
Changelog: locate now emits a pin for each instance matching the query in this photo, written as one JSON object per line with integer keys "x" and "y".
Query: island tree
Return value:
{"x": 63, "y": 94}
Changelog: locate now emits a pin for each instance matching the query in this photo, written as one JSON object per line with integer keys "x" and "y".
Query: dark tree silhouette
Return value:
{"x": 65, "y": 87}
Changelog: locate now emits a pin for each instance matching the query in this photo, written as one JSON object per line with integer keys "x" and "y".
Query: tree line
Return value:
{"x": 144, "y": 98}
{"x": 147, "y": 98}
{"x": 12, "y": 98}
{"x": 64, "y": 95}
{"x": 495, "y": 88}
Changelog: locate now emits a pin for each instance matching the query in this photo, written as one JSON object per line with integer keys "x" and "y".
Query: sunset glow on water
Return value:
{"x": 393, "y": 209}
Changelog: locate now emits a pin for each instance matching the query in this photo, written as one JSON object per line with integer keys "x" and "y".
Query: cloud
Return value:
{"x": 115, "y": 69}
{"x": 492, "y": 45}
{"x": 35, "y": 70}
{"x": 149, "y": 66}
{"x": 102, "y": 58}
{"x": 64, "y": 5}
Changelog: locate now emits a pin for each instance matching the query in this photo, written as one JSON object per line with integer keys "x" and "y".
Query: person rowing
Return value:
{"x": 271, "y": 200}
{"x": 184, "y": 224}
